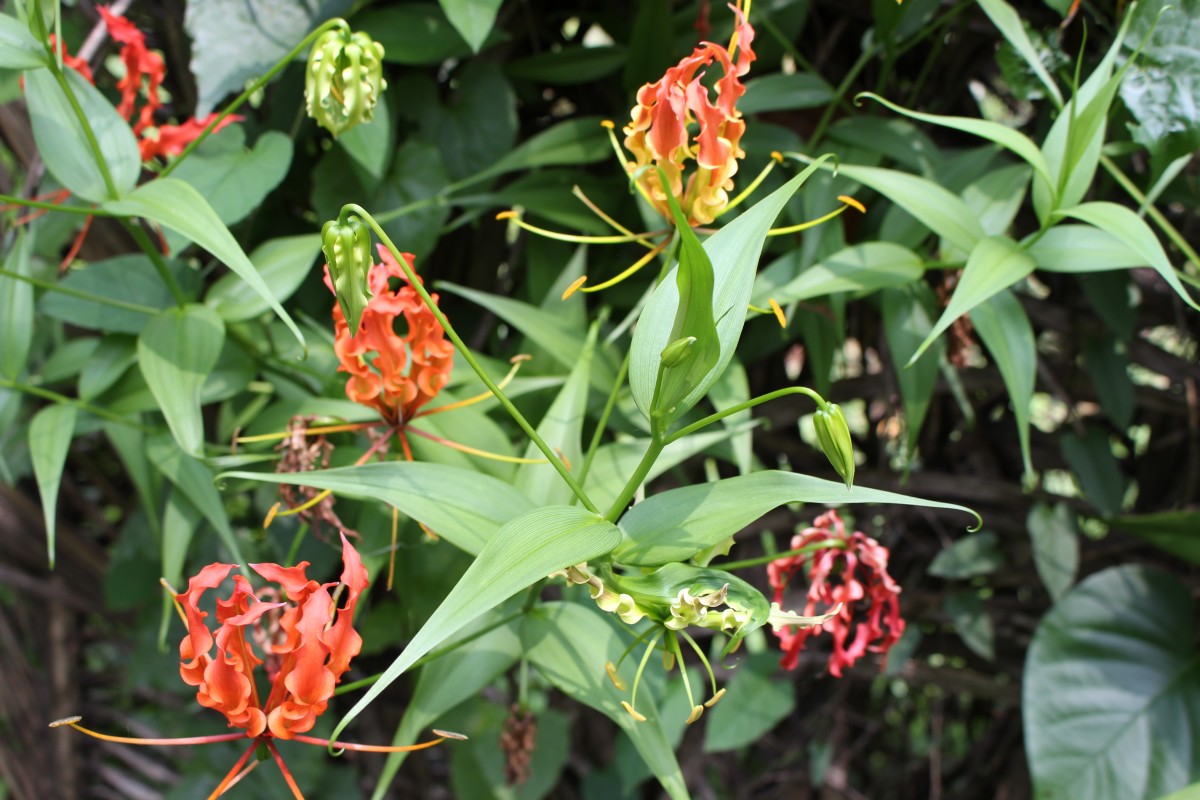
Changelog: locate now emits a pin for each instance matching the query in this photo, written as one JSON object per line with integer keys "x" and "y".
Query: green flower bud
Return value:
{"x": 834, "y": 435}
{"x": 676, "y": 351}
{"x": 343, "y": 80}
{"x": 347, "y": 249}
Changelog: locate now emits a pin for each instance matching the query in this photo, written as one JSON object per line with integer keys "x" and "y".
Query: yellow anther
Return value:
{"x": 632, "y": 711}
{"x": 608, "y": 123}
{"x": 458, "y": 737}
{"x": 778, "y": 156}
{"x": 574, "y": 287}
{"x": 510, "y": 214}
{"x": 712, "y": 701}
{"x": 697, "y": 712}
{"x": 668, "y": 660}
{"x": 778, "y": 312}
{"x": 615, "y": 677}
{"x": 58, "y": 723}
{"x": 519, "y": 358}
{"x": 850, "y": 201}
{"x": 271, "y": 516}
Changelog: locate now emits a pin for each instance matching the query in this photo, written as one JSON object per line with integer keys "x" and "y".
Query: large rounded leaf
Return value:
{"x": 1112, "y": 689}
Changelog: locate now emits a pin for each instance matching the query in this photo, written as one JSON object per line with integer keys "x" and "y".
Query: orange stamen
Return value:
{"x": 778, "y": 313}
{"x": 233, "y": 775}
{"x": 462, "y": 448}
{"x": 287, "y": 774}
{"x": 850, "y": 201}
{"x": 575, "y": 284}
{"x": 516, "y": 362}
{"x": 180, "y": 742}
{"x": 379, "y": 748}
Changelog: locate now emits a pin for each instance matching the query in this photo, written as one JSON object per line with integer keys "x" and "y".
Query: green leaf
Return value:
{"x": 176, "y": 205}
{"x": 569, "y": 644}
{"x": 1055, "y": 540}
{"x": 571, "y": 65}
{"x": 860, "y": 268}
{"x": 446, "y": 682}
{"x": 1133, "y": 232}
{"x": 371, "y": 146}
{"x": 1172, "y": 531}
{"x": 473, "y": 19}
{"x": 907, "y": 322}
{"x": 1082, "y": 249}
{"x": 734, "y": 253}
{"x": 977, "y": 554}
{"x": 573, "y": 142}
{"x": 1091, "y": 458}
{"x": 195, "y": 480}
{"x": 112, "y": 357}
{"x": 996, "y": 263}
{"x": 673, "y": 525}
{"x": 413, "y": 33}
{"x": 129, "y": 279}
{"x": 18, "y": 48}
{"x": 235, "y": 41}
{"x": 1004, "y": 328}
{"x": 972, "y": 622}
{"x": 181, "y": 518}
{"x": 1012, "y": 140}
{"x": 50, "y": 433}
{"x": 16, "y": 305}
{"x": 234, "y": 179}
{"x": 461, "y": 506}
{"x": 521, "y": 553}
{"x": 1108, "y": 367}
{"x": 68, "y": 359}
{"x": 1162, "y": 91}
{"x": 1006, "y": 18}
{"x": 760, "y": 704}
{"x": 936, "y": 208}
{"x": 63, "y": 145}
{"x": 1112, "y": 689}
{"x": 282, "y": 263}
{"x": 478, "y": 125}
{"x": 176, "y": 352}
{"x": 780, "y": 92}
{"x": 997, "y": 197}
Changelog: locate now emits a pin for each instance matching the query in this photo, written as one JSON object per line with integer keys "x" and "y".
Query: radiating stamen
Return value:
{"x": 274, "y": 437}
{"x": 673, "y": 646}
{"x": 599, "y": 212}
{"x": 637, "y": 265}
{"x": 180, "y": 742}
{"x": 712, "y": 679}
{"x": 462, "y": 448}
{"x": 381, "y": 748}
{"x": 568, "y": 237}
{"x": 637, "y": 679}
{"x": 849, "y": 202}
{"x": 287, "y": 774}
{"x": 776, "y": 157}
{"x": 516, "y": 362}
{"x": 774, "y": 308}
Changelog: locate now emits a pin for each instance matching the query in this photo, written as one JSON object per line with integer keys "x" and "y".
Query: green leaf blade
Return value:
{"x": 50, "y": 433}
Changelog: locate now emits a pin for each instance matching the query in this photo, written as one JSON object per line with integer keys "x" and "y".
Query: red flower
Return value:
{"x": 306, "y": 642}
{"x": 406, "y": 371}
{"x": 846, "y": 570}
{"x": 657, "y": 134}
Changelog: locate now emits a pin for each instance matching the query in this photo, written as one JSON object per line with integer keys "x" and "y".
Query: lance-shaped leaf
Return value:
{"x": 1005, "y": 330}
{"x": 176, "y": 205}
{"x": 569, "y": 644}
{"x": 63, "y": 144}
{"x": 16, "y": 308}
{"x": 1112, "y": 689}
{"x": 861, "y": 268}
{"x": 176, "y": 352}
{"x": 18, "y": 48}
{"x": 906, "y": 322}
{"x": 521, "y": 553}
{"x": 996, "y": 263}
{"x": 50, "y": 433}
{"x": 733, "y": 251}
{"x": 463, "y": 507}
{"x": 195, "y": 481}
{"x": 674, "y": 525}
{"x": 1006, "y": 18}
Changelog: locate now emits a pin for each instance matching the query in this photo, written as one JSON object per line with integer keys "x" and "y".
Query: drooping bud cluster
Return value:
{"x": 347, "y": 248}
{"x": 833, "y": 434}
{"x": 344, "y": 80}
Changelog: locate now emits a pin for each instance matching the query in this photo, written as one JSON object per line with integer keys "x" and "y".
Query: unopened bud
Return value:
{"x": 676, "y": 351}
{"x": 834, "y": 435}
{"x": 344, "y": 80}
{"x": 347, "y": 248}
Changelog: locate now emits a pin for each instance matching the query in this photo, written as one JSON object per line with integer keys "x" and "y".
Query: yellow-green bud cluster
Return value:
{"x": 344, "y": 79}
{"x": 347, "y": 248}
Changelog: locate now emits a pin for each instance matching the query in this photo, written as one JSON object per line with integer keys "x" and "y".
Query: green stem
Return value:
{"x": 82, "y": 405}
{"x": 751, "y": 403}
{"x": 238, "y": 101}
{"x": 84, "y": 210}
{"x": 799, "y": 551}
{"x": 518, "y": 417}
{"x": 643, "y": 469}
{"x": 602, "y": 424}
{"x": 51, "y": 286}
{"x": 839, "y": 94}
{"x": 160, "y": 266}
{"x": 1152, "y": 211}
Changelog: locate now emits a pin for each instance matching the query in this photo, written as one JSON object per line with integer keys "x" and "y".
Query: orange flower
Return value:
{"x": 407, "y": 370}
{"x": 657, "y": 133}
{"x": 307, "y": 642}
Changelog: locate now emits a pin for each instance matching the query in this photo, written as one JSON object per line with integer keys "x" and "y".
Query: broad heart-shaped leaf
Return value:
{"x": 1055, "y": 540}
{"x": 995, "y": 263}
{"x": 1133, "y": 232}
{"x": 18, "y": 48}
{"x": 64, "y": 146}
{"x": 50, "y": 433}
{"x": 906, "y": 322}
{"x": 282, "y": 263}
{"x": 472, "y": 18}
{"x": 1009, "y": 138}
{"x": 676, "y": 524}
{"x": 463, "y": 507}
{"x": 860, "y": 268}
{"x": 1172, "y": 531}
{"x": 977, "y": 554}
{"x": 569, "y": 644}
{"x": 1112, "y": 689}
{"x": 176, "y": 205}
{"x": 1161, "y": 91}
{"x": 234, "y": 41}
{"x": 176, "y": 352}
{"x": 448, "y": 681}
{"x": 1006, "y": 18}
{"x": 941, "y": 211}
{"x": 521, "y": 553}
{"x": 1004, "y": 328}
{"x": 16, "y": 307}
{"x": 734, "y": 251}
{"x": 195, "y": 481}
